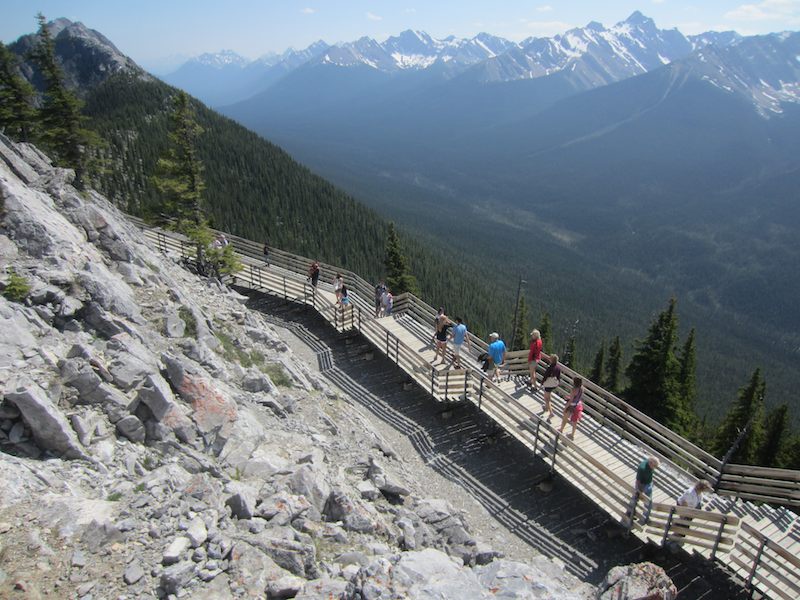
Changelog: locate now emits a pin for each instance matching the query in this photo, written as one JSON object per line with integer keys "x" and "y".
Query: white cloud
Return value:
{"x": 544, "y": 8}
{"x": 410, "y": 11}
{"x": 308, "y": 11}
{"x": 374, "y": 17}
{"x": 767, "y": 10}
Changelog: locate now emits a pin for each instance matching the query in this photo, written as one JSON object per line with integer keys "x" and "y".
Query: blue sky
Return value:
{"x": 159, "y": 33}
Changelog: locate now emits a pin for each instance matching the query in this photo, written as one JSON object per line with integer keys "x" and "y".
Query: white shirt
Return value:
{"x": 690, "y": 498}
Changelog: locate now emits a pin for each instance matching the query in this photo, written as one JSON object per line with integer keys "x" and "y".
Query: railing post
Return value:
{"x": 480, "y": 392}
{"x": 447, "y": 383}
{"x": 536, "y": 438}
{"x": 285, "y": 294}
{"x": 397, "y": 350}
{"x": 467, "y": 374}
{"x": 719, "y": 536}
{"x": 359, "y": 318}
{"x": 669, "y": 524}
{"x": 757, "y": 560}
{"x": 433, "y": 376}
{"x": 555, "y": 451}
{"x": 387, "y": 343}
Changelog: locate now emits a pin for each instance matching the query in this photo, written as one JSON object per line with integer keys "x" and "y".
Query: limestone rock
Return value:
{"x": 49, "y": 427}
{"x": 642, "y": 580}
{"x": 132, "y": 428}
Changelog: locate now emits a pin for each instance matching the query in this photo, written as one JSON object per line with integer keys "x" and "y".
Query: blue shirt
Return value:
{"x": 496, "y": 351}
{"x": 459, "y": 333}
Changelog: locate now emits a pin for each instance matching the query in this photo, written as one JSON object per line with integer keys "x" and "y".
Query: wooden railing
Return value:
{"x": 769, "y": 568}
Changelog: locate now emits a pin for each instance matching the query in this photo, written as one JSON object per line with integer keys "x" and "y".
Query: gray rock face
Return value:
{"x": 307, "y": 482}
{"x": 642, "y": 580}
{"x": 48, "y": 425}
{"x": 243, "y": 502}
{"x": 132, "y": 428}
{"x": 157, "y": 395}
{"x": 175, "y": 577}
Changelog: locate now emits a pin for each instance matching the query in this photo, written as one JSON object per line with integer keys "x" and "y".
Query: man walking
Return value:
{"x": 497, "y": 352}
{"x": 644, "y": 487}
{"x": 458, "y": 336}
{"x": 380, "y": 290}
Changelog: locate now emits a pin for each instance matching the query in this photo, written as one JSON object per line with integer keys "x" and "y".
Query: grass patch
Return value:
{"x": 114, "y": 497}
{"x": 190, "y": 323}
{"x": 140, "y": 488}
{"x": 17, "y": 287}
{"x": 235, "y": 353}
{"x": 277, "y": 374}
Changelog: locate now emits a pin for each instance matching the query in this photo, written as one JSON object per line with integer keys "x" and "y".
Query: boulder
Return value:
{"x": 307, "y": 482}
{"x": 48, "y": 425}
{"x": 175, "y": 577}
{"x": 642, "y": 580}
{"x": 132, "y": 428}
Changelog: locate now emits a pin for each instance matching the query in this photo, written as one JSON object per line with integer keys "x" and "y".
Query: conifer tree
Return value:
{"x": 776, "y": 430}
{"x": 17, "y": 113}
{"x": 522, "y": 332}
{"x": 747, "y": 411}
{"x": 62, "y": 130}
{"x": 684, "y": 419}
{"x": 613, "y": 374}
{"x": 180, "y": 180}
{"x": 596, "y": 374}
{"x": 653, "y": 370}
{"x": 398, "y": 276}
{"x": 790, "y": 458}
{"x": 545, "y": 328}
{"x": 569, "y": 359}
{"x": 180, "y": 173}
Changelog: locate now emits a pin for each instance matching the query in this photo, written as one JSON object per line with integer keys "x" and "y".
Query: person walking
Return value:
{"x": 266, "y": 254}
{"x": 313, "y": 275}
{"x": 497, "y": 353}
{"x": 380, "y": 290}
{"x": 440, "y": 337}
{"x": 693, "y": 497}
{"x": 550, "y": 381}
{"x": 534, "y": 354}
{"x": 458, "y": 337}
{"x": 387, "y": 303}
{"x": 338, "y": 284}
{"x": 644, "y": 487}
{"x": 574, "y": 407}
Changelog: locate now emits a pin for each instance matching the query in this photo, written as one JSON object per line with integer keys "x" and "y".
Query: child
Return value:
{"x": 574, "y": 407}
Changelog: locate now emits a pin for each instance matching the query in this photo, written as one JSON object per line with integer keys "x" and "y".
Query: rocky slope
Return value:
{"x": 158, "y": 439}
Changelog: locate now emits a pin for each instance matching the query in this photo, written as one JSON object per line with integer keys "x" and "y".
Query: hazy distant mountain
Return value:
{"x": 225, "y": 77}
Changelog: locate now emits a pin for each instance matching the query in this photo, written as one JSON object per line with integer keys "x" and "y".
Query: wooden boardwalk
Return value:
{"x": 757, "y": 542}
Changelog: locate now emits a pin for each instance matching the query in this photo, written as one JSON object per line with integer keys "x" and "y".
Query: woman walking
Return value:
{"x": 534, "y": 354}
{"x": 574, "y": 407}
{"x": 550, "y": 381}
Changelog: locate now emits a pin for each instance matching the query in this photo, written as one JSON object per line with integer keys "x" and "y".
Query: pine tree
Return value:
{"x": 398, "y": 276}
{"x": 180, "y": 173}
{"x": 596, "y": 374}
{"x": 569, "y": 359}
{"x": 63, "y": 133}
{"x": 17, "y": 113}
{"x": 519, "y": 341}
{"x": 545, "y": 328}
{"x": 653, "y": 370}
{"x": 684, "y": 421}
{"x": 613, "y": 375}
{"x": 776, "y": 433}
{"x": 180, "y": 180}
{"x": 790, "y": 458}
{"x": 747, "y": 411}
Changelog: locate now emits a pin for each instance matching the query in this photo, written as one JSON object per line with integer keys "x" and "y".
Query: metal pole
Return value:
{"x": 755, "y": 566}
{"x": 516, "y": 311}
{"x": 669, "y": 524}
{"x": 729, "y": 454}
{"x": 719, "y": 537}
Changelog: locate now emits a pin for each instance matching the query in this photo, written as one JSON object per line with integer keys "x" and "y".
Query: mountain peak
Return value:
{"x": 595, "y": 26}
{"x": 637, "y": 18}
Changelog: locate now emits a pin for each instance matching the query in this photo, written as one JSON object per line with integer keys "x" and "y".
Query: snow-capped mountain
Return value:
{"x": 764, "y": 70}
{"x": 220, "y": 60}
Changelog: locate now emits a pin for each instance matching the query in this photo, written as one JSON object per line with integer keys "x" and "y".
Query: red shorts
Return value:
{"x": 577, "y": 411}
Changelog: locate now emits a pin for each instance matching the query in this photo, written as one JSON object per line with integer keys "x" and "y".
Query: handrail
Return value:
{"x": 769, "y": 567}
